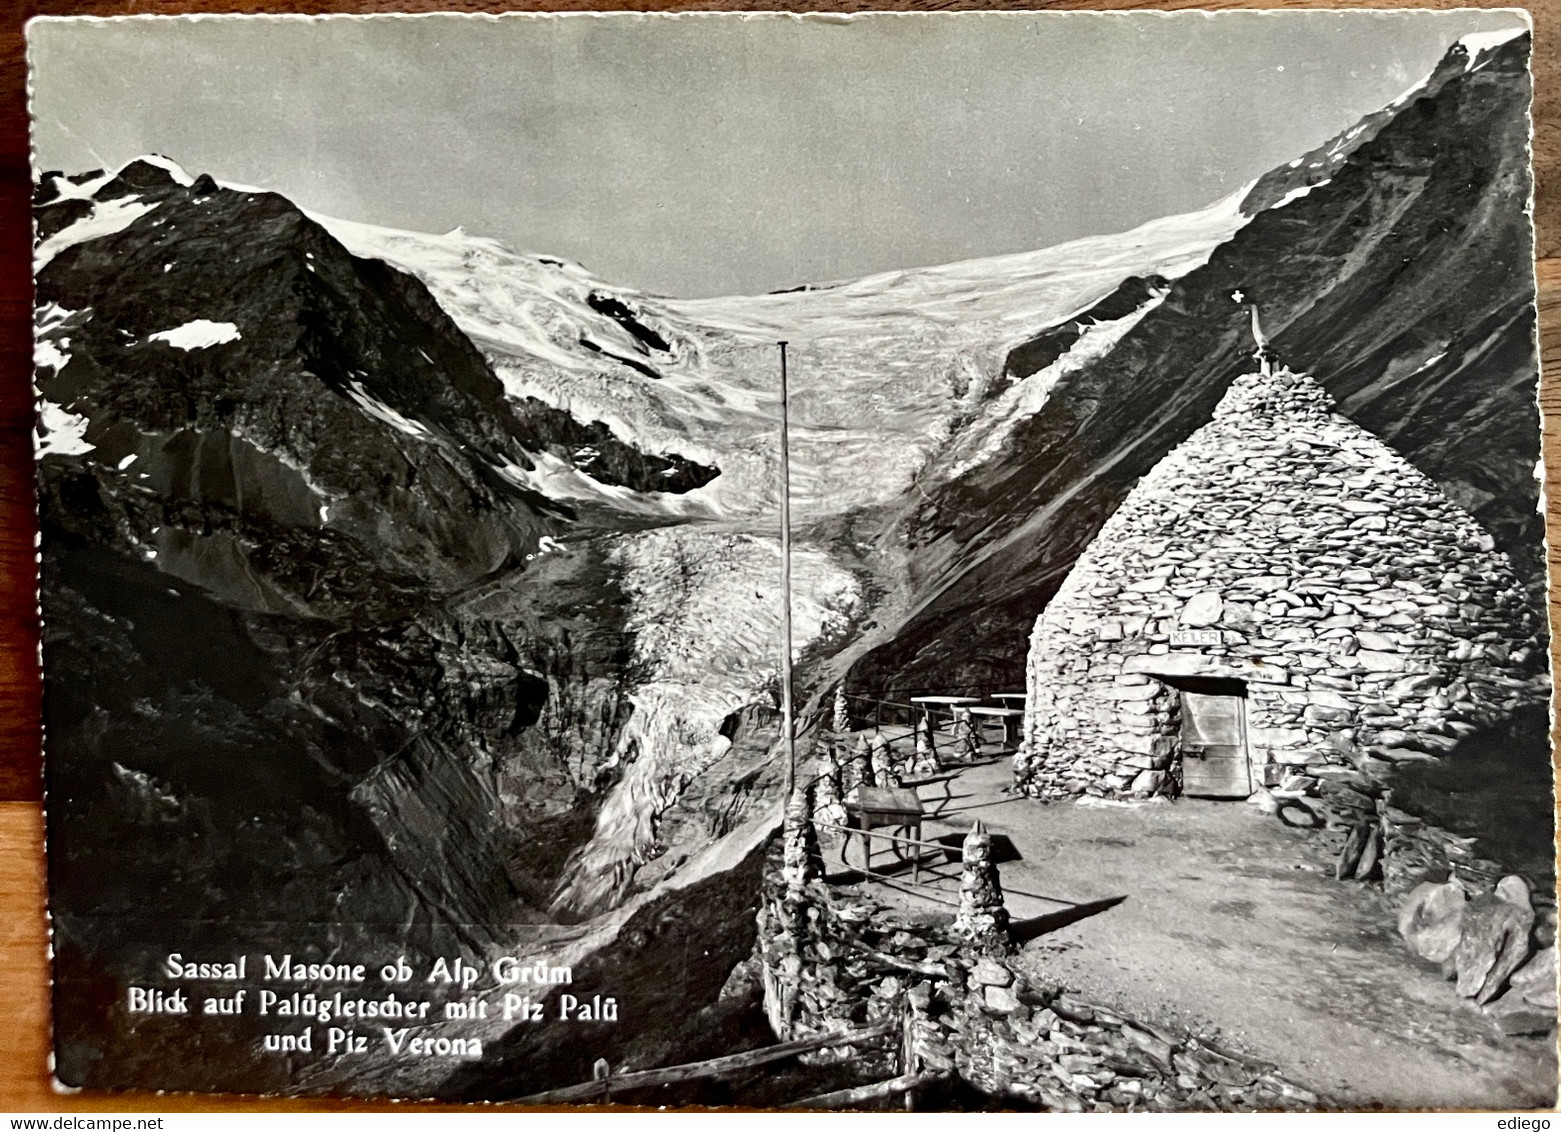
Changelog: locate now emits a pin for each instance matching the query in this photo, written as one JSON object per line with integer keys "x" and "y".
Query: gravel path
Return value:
{"x": 1233, "y": 926}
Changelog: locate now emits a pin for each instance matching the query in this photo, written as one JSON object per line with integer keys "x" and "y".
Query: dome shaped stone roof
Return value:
{"x": 1284, "y": 555}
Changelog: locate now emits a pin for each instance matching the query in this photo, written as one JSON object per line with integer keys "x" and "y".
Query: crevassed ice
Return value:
{"x": 1027, "y": 397}
{"x": 885, "y": 344}
{"x": 60, "y": 432}
{"x": 704, "y": 610}
{"x": 197, "y": 334}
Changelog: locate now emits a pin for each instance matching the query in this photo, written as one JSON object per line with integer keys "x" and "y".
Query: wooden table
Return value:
{"x": 1010, "y": 697}
{"x": 1009, "y": 717}
{"x": 955, "y": 704}
{"x": 883, "y": 807}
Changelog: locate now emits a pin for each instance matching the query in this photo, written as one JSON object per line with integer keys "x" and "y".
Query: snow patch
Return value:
{"x": 48, "y": 354}
{"x": 105, "y": 219}
{"x": 377, "y": 409}
{"x": 59, "y": 432}
{"x": 1474, "y": 44}
{"x": 1297, "y": 193}
{"x": 50, "y": 315}
{"x": 197, "y": 335}
{"x": 68, "y": 190}
{"x": 1478, "y": 42}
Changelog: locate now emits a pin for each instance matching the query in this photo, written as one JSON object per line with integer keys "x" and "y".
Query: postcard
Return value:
{"x": 933, "y": 561}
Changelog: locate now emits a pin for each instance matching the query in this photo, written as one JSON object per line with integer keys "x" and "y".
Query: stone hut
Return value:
{"x": 1282, "y": 591}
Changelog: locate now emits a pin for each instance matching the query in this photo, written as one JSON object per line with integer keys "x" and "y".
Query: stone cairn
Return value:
{"x": 802, "y": 860}
{"x": 859, "y": 769}
{"x": 785, "y": 916}
{"x": 842, "y": 712}
{"x": 966, "y": 741}
{"x": 884, "y": 773}
{"x": 982, "y": 922}
{"x": 883, "y": 752}
{"x": 828, "y": 809}
{"x": 926, "y": 755}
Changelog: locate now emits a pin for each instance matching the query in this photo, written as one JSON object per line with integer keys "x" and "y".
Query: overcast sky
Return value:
{"x": 703, "y": 155}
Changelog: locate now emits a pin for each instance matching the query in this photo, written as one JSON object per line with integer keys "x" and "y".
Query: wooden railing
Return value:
{"x": 894, "y": 707}
{"x": 603, "y": 1088}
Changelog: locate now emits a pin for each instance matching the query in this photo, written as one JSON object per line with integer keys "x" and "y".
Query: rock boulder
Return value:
{"x": 1495, "y": 943}
{"x": 1431, "y": 919}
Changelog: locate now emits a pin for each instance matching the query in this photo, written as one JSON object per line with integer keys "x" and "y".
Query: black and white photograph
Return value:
{"x": 897, "y": 561}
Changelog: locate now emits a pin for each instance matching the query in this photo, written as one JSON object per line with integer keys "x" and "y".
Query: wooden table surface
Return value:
{"x": 24, "y": 1015}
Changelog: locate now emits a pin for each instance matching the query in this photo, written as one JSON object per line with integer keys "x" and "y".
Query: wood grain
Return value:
{"x": 24, "y": 977}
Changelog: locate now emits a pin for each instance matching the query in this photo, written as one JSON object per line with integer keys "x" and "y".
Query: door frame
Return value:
{"x": 1214, "y": 686}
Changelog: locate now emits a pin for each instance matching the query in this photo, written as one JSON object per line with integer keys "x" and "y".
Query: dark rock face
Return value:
{"x": 667, "y": 967}
{"x": 594, "y": 449}
{"x": 1402, "y": 281}
{"x": 320, "y": 671}
{"x": 616, "y": 309}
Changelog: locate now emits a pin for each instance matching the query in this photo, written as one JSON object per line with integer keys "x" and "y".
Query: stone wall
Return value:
{"x": 1284, "y": 549}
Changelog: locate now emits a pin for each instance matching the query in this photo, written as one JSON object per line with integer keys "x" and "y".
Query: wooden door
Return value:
{"x": 1214, "y": 747}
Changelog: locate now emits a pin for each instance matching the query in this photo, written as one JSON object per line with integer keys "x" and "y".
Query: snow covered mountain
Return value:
{"x": 431, "y": 587}
{"x": 883, "y": 367}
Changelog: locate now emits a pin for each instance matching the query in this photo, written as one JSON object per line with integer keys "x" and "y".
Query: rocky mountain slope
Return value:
{"x": 306, "y": 609}
{"x": 1394, "y": 264}
{"x": 432, "y": 587}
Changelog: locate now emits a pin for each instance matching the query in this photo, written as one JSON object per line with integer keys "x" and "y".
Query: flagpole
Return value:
{"x": 787, "y": 722}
